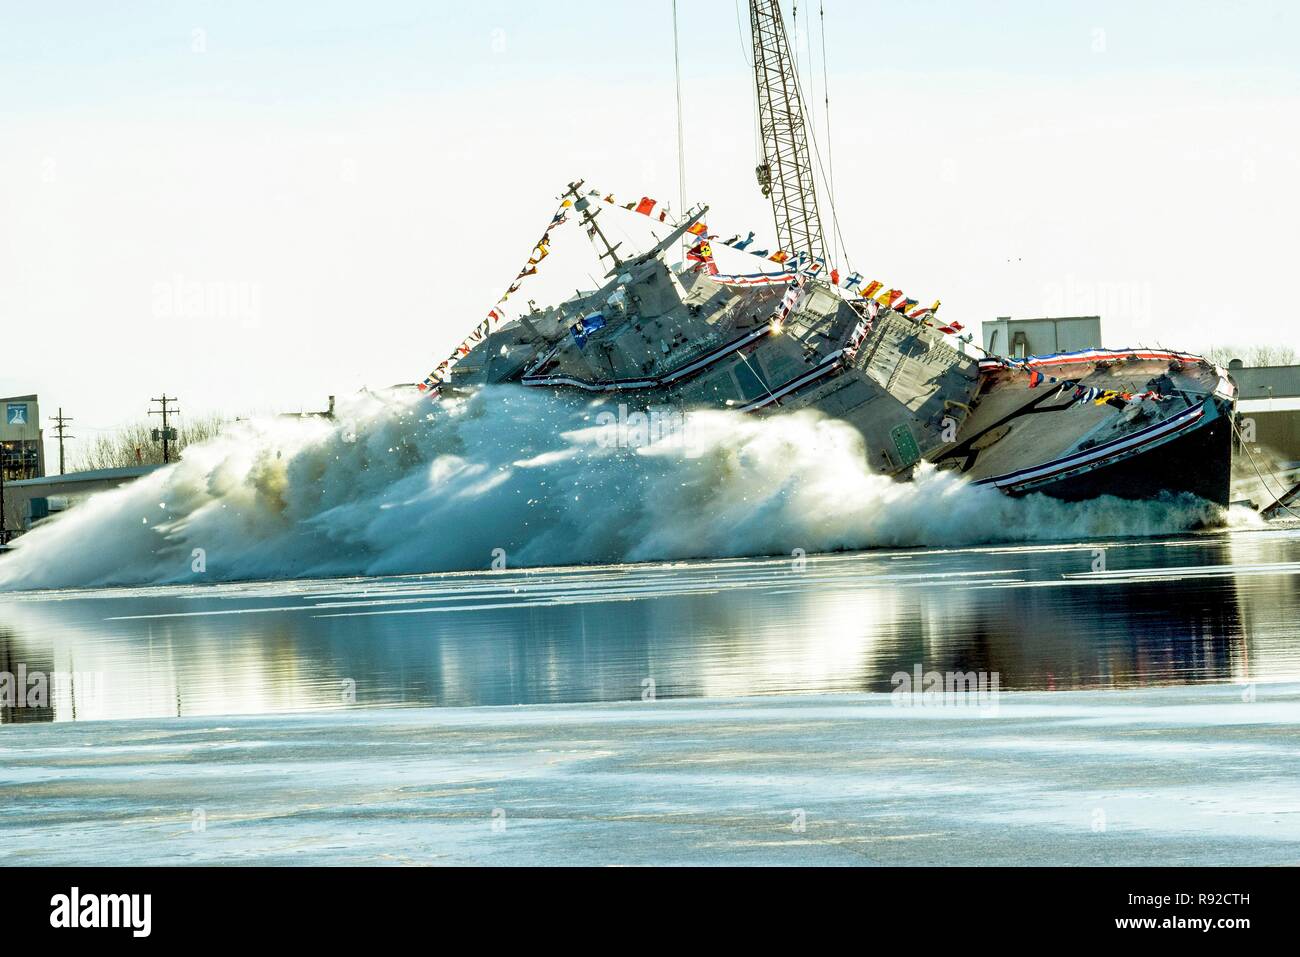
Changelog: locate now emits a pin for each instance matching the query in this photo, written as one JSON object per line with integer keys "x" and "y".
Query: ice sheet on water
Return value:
{"x": 1203, "y": 775}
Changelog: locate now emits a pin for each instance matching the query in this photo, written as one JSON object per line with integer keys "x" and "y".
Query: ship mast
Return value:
{"x": 786, "y": 174}
{"x": 589, "y": 212}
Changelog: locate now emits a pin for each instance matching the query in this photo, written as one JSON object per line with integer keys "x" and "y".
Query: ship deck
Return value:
{"x": 1014, "y": 426}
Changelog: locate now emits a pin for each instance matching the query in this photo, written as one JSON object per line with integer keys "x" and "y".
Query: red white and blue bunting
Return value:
{"x": 496, "y": 315}
{"x": 1081, "y": 395}
{"x": 794, "y": 267}
{"x": 791, "y": 263}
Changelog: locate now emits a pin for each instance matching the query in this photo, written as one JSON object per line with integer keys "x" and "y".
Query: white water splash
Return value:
{"x": 395, "y": 485}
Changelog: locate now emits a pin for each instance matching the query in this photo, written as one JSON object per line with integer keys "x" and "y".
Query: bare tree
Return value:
{"x": 134, "y": 445}
{"x": 1253, "y": 356}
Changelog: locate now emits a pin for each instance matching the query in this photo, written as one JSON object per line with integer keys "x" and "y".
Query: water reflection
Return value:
{"x": 1213, "y": 608}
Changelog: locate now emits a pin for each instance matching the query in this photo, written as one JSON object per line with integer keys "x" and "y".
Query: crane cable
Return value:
{"x": 1262, "y": 481}
{"x": 748, "y": 58}
{"x": 816, "y": 148}
{"x": 681, "y": 135}
{"x": 826, "y": 94}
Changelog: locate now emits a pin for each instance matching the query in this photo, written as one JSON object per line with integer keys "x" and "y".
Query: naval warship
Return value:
{"x": 1132, "y": 423}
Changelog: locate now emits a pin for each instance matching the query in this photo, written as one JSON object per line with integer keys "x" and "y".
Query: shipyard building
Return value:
{"x": 22, "y": 446}
{"x": 1019, "y": 338}
{"x": 1269, "y": 396}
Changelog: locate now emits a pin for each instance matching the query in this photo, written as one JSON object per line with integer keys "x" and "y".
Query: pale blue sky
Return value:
{"x": 69, "y": 55}
{"x": 375, "y": 172}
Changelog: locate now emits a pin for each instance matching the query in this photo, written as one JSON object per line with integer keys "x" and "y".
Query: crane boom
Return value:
{"x": 786, "y": 175}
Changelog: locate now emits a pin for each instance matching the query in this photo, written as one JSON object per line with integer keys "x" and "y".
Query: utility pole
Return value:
{"x": 61, "y": 419}
{"x": 167, "y": 434}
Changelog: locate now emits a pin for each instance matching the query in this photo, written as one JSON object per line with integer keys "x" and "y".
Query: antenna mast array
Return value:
{"x": 786, "y": 173}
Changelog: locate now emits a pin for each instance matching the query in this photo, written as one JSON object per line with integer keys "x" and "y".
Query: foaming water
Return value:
{"x": 396, "y": 485}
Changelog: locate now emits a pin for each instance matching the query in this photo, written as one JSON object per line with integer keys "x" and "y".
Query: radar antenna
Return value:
{"x": 589, "y": 211}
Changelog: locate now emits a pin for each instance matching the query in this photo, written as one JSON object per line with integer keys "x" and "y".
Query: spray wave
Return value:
{"x": 394, "y": 486}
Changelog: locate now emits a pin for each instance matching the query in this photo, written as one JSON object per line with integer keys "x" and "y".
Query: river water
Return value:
{"x": 1217, "y": 607}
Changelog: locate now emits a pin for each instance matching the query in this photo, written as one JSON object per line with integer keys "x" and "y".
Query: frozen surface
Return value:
{"x": 1172, "y": 775}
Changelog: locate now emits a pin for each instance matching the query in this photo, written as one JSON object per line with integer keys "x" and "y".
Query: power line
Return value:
{"x": 60, "y": 429}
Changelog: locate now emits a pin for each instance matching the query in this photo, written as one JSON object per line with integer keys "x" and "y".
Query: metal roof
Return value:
{"x": 1263, "y": 382}
{"x": 94, "y": 475}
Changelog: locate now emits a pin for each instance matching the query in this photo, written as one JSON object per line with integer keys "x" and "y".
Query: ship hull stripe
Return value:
{"x": 614, "y": 384}
{"x": 1086, "y": 355}
{"x": 1080, "y": 459}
